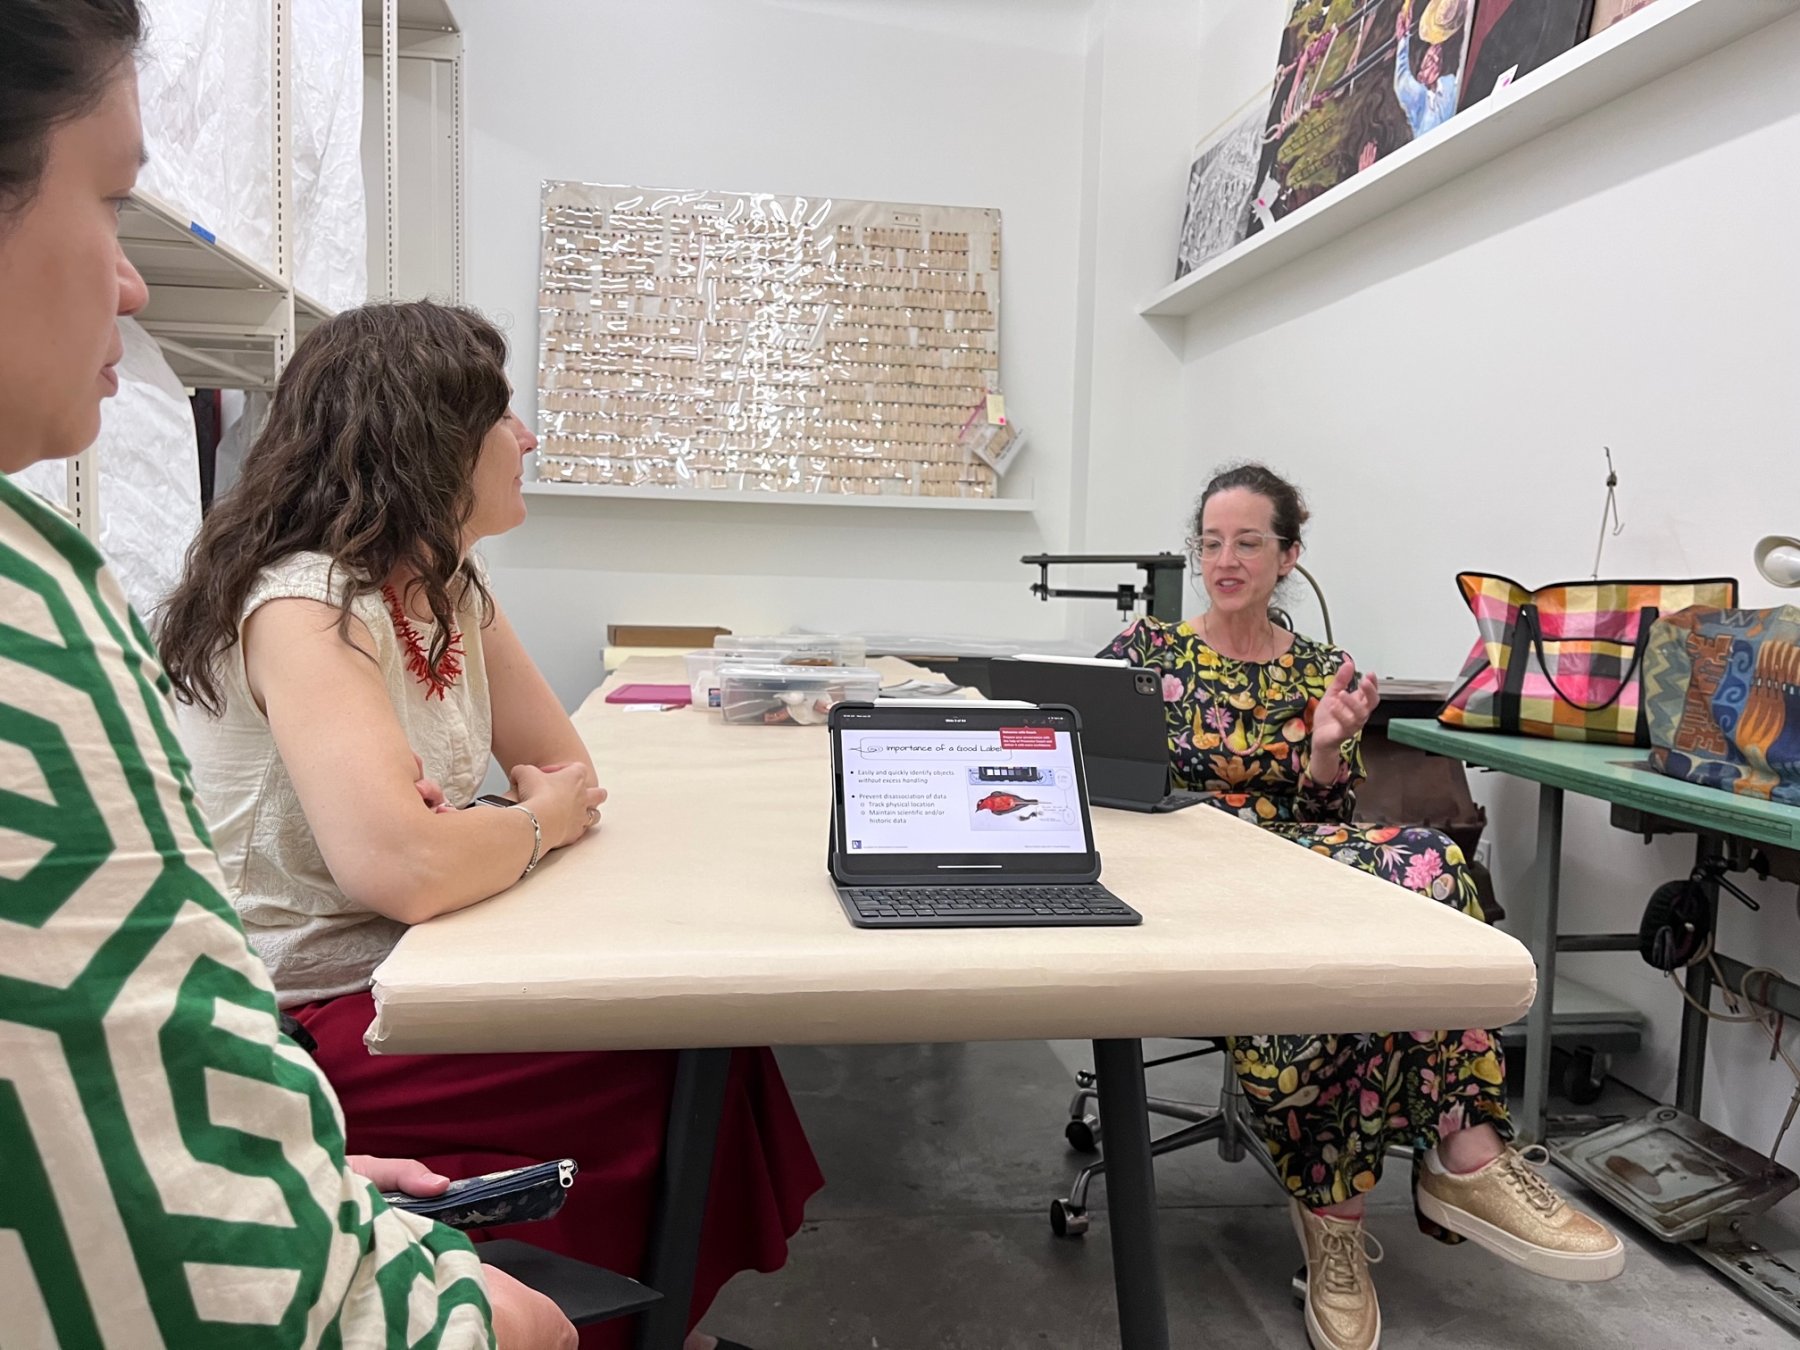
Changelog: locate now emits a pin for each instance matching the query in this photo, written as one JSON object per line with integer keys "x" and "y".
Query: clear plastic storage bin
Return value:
{"x": 770, "y": 695}
{"x": 797, "y": 649}
{"x": 703, "y": 679}
{"x": 703, "y": 669}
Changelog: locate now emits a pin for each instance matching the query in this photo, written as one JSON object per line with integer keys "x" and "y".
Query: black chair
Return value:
{"x": 586, "y": 1293}
{"x": 1230, "y": 1124}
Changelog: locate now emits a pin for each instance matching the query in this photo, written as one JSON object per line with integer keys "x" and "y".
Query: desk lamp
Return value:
{"x": 1778, "y": 559}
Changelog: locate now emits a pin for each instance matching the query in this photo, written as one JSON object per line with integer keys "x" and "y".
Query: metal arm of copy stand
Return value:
{"x": 1161, "y": 587}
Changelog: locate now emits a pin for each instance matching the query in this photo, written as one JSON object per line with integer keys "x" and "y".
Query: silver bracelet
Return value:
{"x": 537, "y": 836}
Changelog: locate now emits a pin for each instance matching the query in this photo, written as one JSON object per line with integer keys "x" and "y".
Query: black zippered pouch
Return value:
{"x": 522, "y": 1195}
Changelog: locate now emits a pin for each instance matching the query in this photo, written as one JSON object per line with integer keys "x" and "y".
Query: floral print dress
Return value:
{"x": 1330, "y": 1105}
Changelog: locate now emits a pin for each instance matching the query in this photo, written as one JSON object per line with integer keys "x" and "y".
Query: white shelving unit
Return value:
{"x": 171, "y": 250}
{"x": 222, "y": 319}
{"x": 225, "y": 321}
{"x": 423, "y": 16}
{"x": 219, "y": 316}
{"x": 1653, "y": 42}
{"x": 415, "y": 95}
{"x": 825, "y": 499}
{"x": 308, "y": 313}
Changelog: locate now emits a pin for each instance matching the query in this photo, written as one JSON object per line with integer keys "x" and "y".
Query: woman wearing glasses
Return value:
{"x": 1269, "y": 723}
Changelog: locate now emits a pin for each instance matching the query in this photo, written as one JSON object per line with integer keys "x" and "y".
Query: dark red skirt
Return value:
{"x": 463, "y": 1115}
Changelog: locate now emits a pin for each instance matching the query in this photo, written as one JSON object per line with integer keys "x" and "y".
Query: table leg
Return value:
{"x": 1131, "y": 1196}
{"x": 695, "y": 1105}
{"x": 1546, "y": 896}
{"x": 1690, "y": 1070}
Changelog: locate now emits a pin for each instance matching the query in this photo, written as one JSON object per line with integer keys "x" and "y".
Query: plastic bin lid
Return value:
{"x": 737, "y": 671}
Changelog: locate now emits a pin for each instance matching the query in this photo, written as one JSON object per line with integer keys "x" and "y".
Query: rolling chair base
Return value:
{"x": 1068, "y": 1216}
{"x": 1230, "y": 1125}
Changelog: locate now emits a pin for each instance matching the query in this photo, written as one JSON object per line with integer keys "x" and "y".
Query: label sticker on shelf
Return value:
{"x": 996, "y": 409}
{"x": 1507, "y": 76}
{"x": 196, "y": 228}
{"x": 1264, "y": 205}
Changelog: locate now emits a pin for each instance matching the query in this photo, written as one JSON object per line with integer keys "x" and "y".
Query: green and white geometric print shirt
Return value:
{"x": 171, "y": 1167}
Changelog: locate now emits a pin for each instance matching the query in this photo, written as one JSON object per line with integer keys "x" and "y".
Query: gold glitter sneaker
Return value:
{"x": 1341, "y": 1311}
{"x": 1510, "y": 1209}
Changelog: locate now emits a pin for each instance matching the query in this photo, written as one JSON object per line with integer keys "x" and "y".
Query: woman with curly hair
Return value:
{"x": 1268, "y": 724}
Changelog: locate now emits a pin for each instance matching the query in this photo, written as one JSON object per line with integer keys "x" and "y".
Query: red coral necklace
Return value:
{"x": 439, "y": 681}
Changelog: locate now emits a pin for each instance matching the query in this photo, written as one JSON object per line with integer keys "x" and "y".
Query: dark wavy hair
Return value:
{"x": 368, "y": 456}
{"x": 56, "y": 59}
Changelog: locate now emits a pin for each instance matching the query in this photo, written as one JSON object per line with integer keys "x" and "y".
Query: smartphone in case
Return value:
{"x": 519, "y": 1195}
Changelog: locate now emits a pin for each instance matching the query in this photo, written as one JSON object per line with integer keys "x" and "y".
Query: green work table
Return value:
{"x": 1620, "y": 775}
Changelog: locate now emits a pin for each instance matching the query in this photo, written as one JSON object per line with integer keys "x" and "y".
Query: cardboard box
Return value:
{"x": 660, "y": 635}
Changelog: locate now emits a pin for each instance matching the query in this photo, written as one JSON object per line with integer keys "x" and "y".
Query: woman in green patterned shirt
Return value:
{"x": 175, "y": 1169}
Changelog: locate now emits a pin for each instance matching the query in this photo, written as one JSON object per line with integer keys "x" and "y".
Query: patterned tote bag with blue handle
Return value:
{"x": 1722, "y": 699}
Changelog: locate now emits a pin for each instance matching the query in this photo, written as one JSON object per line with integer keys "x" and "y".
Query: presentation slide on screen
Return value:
{"x": 1008, "y": 790}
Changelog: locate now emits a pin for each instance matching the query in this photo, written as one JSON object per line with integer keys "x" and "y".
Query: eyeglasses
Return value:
{"x": 1244, "y": 546}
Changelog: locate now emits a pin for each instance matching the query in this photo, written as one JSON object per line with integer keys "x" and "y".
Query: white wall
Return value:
{"x": 896, "y": 100}
{"x": 1140, "y": 121}
{"x": 1441, "y": 383}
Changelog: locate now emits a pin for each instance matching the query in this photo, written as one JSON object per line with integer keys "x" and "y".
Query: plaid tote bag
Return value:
{"x": 1722, "y": 697}
{"x": 1565, "y": 661}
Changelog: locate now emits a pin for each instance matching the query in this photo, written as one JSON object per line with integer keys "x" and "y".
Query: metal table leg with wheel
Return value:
{"x": 1131, "y": 1196}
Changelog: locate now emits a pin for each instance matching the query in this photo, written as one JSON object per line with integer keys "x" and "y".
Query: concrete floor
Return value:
{"x": 932, "y": 1234}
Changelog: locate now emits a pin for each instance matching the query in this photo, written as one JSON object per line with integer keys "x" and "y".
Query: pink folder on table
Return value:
{"x": 651, "y": 693}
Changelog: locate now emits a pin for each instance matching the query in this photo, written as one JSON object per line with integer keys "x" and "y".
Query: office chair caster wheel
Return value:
{"x": 1066, "y": 1220}
{"x": 1083, "y": 1134}
{"x": 1584, "y": 1075}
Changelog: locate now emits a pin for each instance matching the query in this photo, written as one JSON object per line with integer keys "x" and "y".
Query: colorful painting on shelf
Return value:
{"x": 1356, "y": 80}
{"x": 1511, "y": 38}
{"x": 1609, "y": 12}
{"x": 1220, "y": 184}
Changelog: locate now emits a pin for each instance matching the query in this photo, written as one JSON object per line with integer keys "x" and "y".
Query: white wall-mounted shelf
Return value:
{"x": 1653, "y": 42}
{"x": 543, "y": 488}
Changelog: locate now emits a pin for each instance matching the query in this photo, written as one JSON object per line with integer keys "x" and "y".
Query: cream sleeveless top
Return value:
{"x": 317, "y": 942}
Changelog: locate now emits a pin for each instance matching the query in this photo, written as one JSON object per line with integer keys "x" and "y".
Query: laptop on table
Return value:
{"x": 1125, "y": 732}
{"x": 966, "y": 816}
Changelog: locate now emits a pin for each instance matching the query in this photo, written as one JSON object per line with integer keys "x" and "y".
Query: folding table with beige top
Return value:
{"x": 700, "y": 917}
